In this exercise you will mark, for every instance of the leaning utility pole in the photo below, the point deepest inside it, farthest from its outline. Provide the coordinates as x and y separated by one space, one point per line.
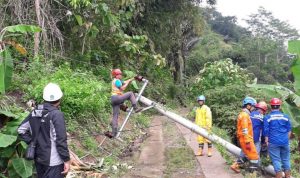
198 130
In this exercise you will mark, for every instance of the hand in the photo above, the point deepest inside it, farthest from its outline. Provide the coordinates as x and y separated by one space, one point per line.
248 146
66 167
267 141
129 80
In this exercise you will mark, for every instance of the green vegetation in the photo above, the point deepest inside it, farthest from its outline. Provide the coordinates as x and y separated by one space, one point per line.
178 155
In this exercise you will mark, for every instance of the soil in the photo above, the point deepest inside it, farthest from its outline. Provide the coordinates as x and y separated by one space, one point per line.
152 161
151 158
168 138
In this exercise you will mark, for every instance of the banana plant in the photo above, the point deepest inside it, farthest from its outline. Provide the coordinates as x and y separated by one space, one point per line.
12 163
6 60
291 99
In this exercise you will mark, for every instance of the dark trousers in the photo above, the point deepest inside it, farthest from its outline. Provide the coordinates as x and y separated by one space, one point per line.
44 171
116 100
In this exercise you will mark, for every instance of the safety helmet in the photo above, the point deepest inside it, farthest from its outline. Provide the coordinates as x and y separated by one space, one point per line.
201 98
262 105
275 102
52 92
116 72
249 100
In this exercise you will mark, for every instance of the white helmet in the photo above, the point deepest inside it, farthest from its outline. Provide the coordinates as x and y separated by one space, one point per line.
52 92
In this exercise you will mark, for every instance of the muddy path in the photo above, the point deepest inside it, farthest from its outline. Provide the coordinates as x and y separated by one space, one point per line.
165 154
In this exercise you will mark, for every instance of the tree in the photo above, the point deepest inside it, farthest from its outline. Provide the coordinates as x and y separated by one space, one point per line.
224 25
172 25
266 25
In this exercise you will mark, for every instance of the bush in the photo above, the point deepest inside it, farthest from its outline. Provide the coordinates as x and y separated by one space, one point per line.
226 103
84 95
219 73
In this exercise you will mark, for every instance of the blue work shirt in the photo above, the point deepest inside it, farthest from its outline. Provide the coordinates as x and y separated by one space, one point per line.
119 83
257 124
276 127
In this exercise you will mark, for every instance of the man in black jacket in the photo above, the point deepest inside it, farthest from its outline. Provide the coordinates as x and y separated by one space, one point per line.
47 125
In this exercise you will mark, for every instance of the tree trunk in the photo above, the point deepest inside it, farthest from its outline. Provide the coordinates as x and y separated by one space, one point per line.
37 34
179 66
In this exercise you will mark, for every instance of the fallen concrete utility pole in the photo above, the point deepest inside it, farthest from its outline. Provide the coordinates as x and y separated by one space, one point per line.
198 130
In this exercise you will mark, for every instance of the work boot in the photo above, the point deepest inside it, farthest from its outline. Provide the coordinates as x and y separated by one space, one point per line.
235 167
123 107
278 175
287 174
200 152
209 152
114 132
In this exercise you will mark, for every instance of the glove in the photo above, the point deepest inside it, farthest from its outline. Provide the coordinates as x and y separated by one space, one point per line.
248 146
138 78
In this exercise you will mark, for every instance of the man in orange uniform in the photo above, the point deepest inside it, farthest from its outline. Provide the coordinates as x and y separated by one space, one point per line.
245 136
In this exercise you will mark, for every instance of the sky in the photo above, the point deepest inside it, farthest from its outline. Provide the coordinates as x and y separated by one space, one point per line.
285 10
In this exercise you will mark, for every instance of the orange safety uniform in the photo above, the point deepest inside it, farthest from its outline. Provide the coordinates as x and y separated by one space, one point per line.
245 134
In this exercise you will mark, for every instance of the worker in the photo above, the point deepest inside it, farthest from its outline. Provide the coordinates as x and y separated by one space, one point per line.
245 137
203 119
257 118
118 97
44 129
277 130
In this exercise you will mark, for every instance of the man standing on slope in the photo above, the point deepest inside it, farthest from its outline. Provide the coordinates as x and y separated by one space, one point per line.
257 118
277 130
204 120
245 136
45 127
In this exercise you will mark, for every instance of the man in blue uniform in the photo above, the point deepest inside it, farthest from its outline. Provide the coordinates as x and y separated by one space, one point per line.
257 117
277 130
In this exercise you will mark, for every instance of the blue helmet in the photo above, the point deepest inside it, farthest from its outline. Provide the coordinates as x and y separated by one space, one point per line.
249 100
201 98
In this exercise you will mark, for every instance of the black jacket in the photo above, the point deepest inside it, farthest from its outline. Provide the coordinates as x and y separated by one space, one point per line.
51 141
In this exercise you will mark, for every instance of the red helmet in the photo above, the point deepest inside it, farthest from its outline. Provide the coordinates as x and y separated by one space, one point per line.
262 105
116 72
275 101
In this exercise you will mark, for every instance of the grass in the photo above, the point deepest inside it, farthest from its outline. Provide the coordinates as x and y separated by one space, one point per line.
179 158
178 155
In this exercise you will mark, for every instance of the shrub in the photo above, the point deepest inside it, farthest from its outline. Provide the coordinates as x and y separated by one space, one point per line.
84 95
219 73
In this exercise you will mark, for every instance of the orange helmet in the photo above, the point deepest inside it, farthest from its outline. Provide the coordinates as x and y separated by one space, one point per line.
116 72
275 102
262 105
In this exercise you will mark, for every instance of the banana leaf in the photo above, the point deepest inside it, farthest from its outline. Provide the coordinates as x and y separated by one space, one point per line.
294 48
6 70
292 109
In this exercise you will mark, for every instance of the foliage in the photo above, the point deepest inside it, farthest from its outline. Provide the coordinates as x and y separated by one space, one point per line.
265 24
19 29
226 103
294 47
224 25
84 95
210 48
6 70
11 149
6 60
219 73
290 104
